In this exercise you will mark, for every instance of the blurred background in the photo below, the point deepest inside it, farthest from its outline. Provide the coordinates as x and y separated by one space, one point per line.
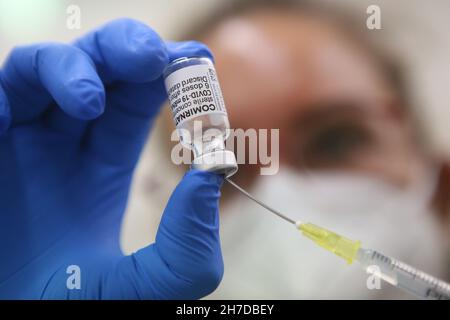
363 118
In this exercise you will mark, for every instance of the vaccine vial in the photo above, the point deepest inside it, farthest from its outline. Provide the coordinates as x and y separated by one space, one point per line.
199 114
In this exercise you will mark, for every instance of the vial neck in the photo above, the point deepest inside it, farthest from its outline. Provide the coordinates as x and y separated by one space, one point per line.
202 147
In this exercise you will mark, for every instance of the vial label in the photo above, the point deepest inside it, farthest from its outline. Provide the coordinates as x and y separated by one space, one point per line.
194 91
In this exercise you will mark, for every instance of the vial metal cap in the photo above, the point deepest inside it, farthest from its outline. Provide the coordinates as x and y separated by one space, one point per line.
218 161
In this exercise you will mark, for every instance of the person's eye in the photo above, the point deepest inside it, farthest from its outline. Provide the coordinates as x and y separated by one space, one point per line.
335 144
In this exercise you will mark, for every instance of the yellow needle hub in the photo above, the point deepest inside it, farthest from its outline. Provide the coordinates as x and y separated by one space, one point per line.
339 245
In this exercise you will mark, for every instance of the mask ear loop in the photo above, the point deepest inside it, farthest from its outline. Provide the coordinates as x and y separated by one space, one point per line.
433 174
425 189
440 201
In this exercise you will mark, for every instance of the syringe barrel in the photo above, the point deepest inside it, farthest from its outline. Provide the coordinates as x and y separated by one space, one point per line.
404 276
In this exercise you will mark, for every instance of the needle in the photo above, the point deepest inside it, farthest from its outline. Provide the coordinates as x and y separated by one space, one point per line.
282 216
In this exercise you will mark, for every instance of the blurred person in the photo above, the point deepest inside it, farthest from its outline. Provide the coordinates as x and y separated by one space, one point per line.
350 150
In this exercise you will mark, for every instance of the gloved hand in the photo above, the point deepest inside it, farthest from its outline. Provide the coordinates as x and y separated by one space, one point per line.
73 120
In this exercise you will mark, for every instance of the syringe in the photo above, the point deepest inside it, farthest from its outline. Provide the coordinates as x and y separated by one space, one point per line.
395 272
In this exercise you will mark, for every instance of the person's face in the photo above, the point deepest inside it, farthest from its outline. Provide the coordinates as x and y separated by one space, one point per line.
334 109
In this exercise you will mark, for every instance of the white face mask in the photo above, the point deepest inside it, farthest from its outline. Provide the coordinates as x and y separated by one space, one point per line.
265 257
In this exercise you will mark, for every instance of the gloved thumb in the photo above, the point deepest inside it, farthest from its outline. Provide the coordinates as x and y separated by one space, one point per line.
185 262
188 236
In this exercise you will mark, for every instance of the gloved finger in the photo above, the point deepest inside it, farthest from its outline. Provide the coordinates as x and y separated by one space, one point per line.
185 262
118 136
135 91
125 50
59 121
5 115
35 75
187 49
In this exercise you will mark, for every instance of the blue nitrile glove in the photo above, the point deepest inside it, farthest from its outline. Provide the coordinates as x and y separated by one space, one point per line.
74 119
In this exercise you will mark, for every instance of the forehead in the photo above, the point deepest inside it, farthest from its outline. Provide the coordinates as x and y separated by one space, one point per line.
290 60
